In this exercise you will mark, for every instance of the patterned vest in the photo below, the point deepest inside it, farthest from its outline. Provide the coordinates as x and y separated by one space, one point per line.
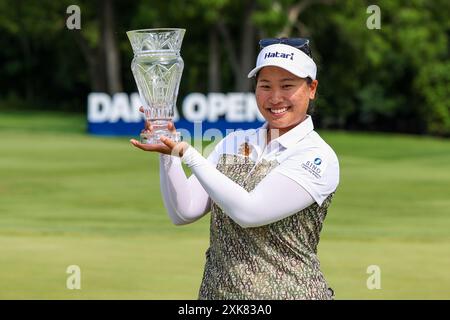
274 261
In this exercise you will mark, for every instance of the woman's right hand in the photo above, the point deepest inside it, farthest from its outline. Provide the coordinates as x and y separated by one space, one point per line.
167 147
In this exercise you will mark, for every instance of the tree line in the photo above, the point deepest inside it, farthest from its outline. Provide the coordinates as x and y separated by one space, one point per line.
395 78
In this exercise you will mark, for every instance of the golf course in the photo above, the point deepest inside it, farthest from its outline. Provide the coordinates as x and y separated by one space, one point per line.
68 198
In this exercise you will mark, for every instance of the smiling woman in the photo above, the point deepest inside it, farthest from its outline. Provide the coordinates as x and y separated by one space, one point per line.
283 98
268 190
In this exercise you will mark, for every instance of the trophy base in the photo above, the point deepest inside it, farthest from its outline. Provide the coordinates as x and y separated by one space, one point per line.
153 138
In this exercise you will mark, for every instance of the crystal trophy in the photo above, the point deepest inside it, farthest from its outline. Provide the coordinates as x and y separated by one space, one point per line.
157 67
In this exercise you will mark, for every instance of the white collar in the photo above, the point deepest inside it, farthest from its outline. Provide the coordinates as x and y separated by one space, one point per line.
291 137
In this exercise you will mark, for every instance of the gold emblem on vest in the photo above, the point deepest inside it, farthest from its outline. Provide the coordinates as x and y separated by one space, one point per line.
245 149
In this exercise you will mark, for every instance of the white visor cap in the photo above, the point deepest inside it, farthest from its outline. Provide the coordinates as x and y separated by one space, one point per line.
287 57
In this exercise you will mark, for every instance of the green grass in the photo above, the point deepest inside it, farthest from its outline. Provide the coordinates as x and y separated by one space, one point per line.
67 198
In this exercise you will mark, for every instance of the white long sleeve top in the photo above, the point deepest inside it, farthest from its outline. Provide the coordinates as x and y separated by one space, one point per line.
308 171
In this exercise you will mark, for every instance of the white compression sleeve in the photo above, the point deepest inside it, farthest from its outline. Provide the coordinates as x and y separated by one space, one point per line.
274 198
185 199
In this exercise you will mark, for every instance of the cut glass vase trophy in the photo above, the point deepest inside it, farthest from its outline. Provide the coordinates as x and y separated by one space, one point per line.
157 67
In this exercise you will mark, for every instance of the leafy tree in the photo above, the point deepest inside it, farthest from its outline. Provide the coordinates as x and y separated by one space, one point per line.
395 78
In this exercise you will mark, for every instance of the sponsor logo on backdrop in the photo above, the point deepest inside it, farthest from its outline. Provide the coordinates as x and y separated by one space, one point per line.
119 114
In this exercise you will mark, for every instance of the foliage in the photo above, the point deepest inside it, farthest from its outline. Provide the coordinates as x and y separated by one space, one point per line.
392 79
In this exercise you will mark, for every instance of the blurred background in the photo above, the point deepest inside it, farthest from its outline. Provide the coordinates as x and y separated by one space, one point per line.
69 198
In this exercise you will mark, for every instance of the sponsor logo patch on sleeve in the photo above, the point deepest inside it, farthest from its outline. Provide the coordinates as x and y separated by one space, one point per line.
315 167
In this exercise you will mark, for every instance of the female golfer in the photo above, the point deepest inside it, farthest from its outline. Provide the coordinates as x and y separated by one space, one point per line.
268 190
